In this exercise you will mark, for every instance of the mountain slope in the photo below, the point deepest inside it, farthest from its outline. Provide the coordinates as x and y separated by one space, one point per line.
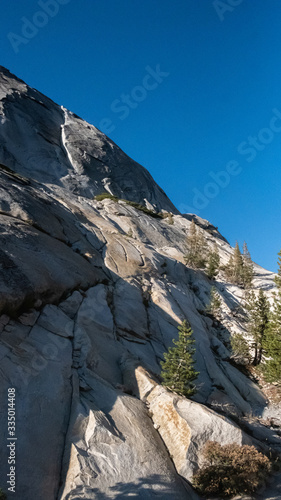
90 297
44 141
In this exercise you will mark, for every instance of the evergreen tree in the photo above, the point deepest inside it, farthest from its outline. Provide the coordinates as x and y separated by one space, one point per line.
238 266
228 269
214 307
278 277
272 367
213 263
178 371
240 347
258 322
234 269
248 270
196 256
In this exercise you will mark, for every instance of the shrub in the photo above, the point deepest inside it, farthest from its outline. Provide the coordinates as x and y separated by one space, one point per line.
3 495
143 209
103 196
138 206
231 470
169 217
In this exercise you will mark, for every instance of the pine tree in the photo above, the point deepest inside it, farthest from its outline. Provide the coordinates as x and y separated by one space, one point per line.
228 269
248 269
213 263
238 266
272 366
178 371
240 347
278 277
258 322
214 306
196 256
234 269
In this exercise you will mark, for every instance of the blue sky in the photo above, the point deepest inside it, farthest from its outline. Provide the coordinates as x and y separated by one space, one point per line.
214 106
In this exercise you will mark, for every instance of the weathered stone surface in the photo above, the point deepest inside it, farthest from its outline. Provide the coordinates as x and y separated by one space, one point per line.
43 144
29 318
39 368
94 313
184 425
71 305
130 314
99 289
115 451
55 321
37 266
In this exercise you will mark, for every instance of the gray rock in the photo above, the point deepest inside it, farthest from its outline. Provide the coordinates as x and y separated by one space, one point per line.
54 320
92 165
82 365
71 305
114 450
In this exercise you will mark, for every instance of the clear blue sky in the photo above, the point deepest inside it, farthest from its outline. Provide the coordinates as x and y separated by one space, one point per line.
221 83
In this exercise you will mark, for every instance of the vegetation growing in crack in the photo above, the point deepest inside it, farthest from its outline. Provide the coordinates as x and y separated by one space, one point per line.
104 196
143 209
138 206
168 216
129 234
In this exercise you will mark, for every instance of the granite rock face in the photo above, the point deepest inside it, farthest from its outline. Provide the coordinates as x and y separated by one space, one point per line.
91 294
43 140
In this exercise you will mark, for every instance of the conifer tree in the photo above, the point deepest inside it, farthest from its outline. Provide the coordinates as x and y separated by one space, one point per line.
258 322
238 266
248 270
214 307
278 277
178 371
228 269
234 269
240 347
213 263
272 367
196 256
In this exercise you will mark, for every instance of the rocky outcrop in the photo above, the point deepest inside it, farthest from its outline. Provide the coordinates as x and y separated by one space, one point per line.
43 140
184 425
91 294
